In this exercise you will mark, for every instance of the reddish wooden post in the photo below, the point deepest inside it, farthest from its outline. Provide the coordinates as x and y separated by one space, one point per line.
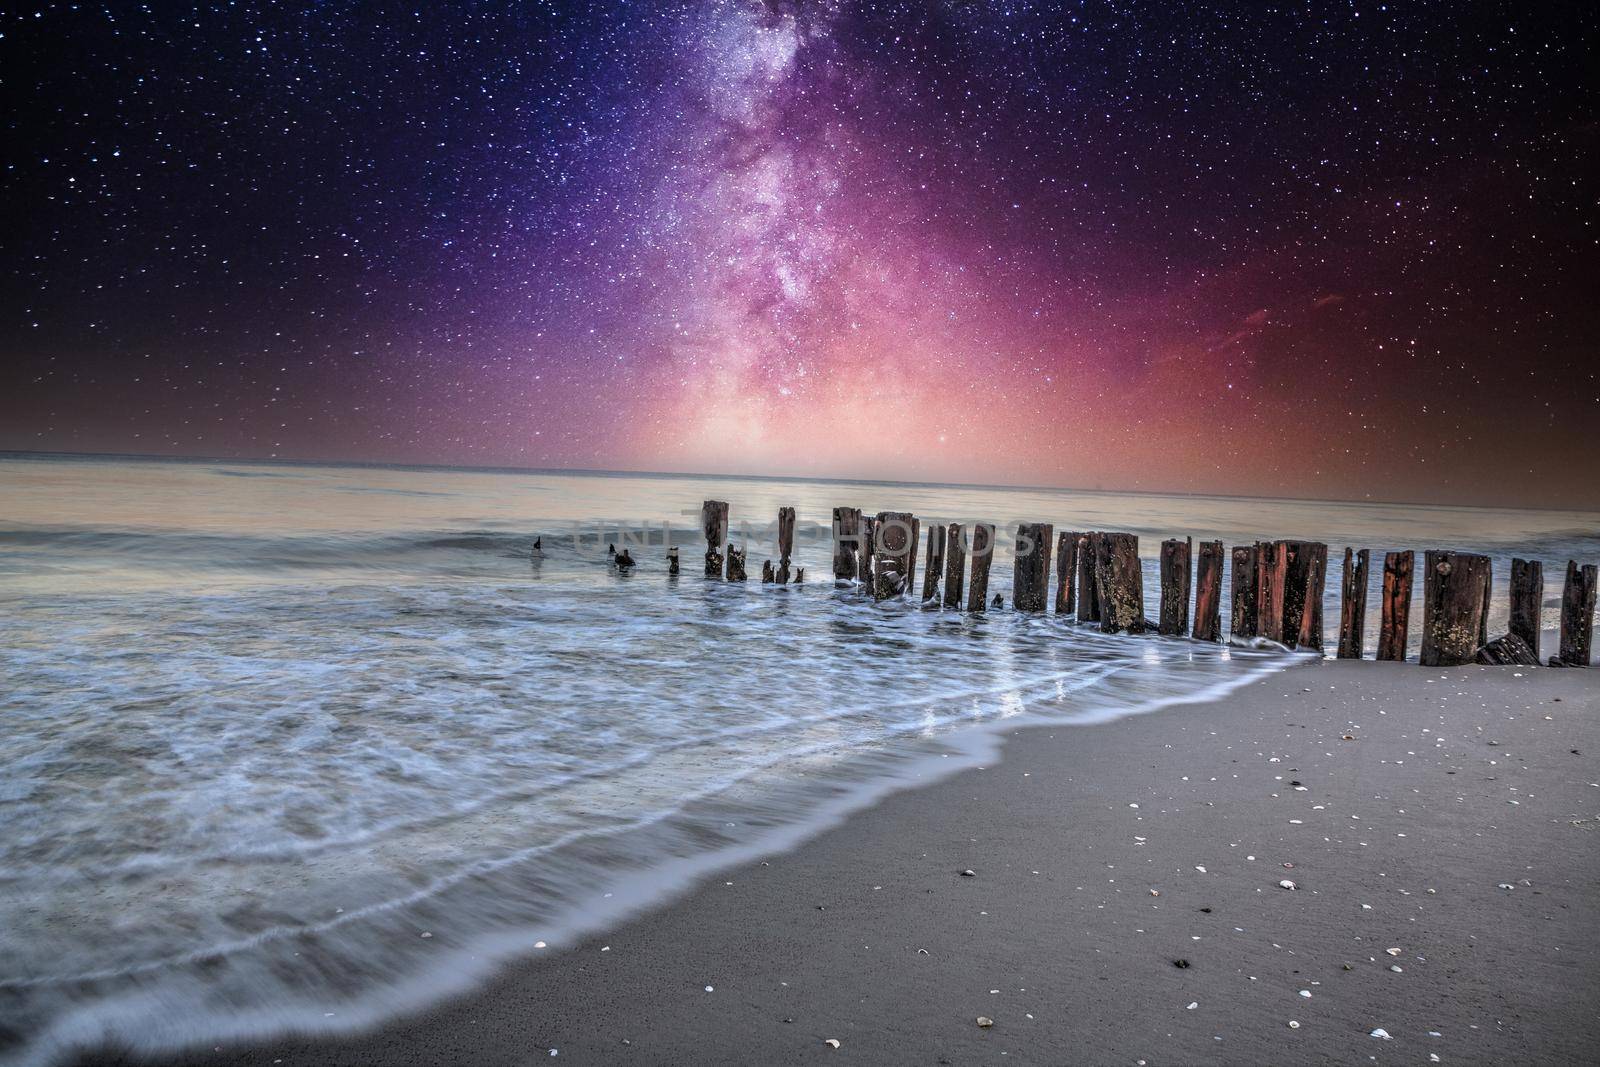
1271 578
934 568
895 551
1306 576
1394 622
1066 572
1120 582
1245 564
846 542
1577 616
982 556
1088 587
1208 592
955 566
714 522
1527 602
1353 604
1455 607
785 543
1031 567
1175 570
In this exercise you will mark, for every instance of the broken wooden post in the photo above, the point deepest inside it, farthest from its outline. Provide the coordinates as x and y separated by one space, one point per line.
1245 562
982 556
1208 592
1455 607
785 543
1353 604
1577 616
865 551
672 561
1507 651
735 563
1119 582
846 542
1394 622
911 556
1527 602
1271 571
1030 573
1066 571
714 522
895 552
1088 589
955 566
934 568
768 575
1176 566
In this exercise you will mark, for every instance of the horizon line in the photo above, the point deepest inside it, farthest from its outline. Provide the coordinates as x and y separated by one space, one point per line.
157 457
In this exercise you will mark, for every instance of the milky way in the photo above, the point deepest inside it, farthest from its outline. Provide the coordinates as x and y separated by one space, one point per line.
1340 250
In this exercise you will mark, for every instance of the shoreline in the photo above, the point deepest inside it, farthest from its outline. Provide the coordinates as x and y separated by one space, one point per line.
867 933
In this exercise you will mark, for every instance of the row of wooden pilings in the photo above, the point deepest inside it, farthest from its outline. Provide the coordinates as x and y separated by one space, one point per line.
1277 591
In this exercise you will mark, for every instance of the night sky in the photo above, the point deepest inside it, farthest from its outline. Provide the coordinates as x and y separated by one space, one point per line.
1309 249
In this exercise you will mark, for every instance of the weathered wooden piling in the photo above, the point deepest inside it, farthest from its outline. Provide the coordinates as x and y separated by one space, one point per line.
1527 602
1208 592
895 553
714 522
1353 603
785 543
982 557
1271 570
846 542
672 561
1455 607
769 576
1577 616
1088 588
1119 582
955 566
1066 571
736 563
911 556
1290 577
1176 568
1394 621
933 570
1245 563
866 550
1030 574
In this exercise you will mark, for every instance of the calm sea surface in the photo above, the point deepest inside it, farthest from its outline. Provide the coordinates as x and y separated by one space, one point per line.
306 746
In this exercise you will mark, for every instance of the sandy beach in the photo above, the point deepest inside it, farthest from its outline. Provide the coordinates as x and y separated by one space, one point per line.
1125 903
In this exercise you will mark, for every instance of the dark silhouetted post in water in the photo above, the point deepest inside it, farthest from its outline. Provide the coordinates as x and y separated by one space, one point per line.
1030 575
1271 578
865 551
846 542
1353 604
785 543
1245 563
982 556
1577 616
1527 602
1208 592
911 556
955 566
1305 576
1088 587
934 569
1455 607
1394 622
1066 571
672 561
736 563
895 549
1120 583
1176 565
714 521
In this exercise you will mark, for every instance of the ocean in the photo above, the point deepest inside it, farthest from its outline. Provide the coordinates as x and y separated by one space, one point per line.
304 746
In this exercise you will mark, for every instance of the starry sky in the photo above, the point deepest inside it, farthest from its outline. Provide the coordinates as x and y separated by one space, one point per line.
1341 250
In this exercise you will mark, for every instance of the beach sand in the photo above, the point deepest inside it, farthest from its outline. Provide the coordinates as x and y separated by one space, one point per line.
1424 795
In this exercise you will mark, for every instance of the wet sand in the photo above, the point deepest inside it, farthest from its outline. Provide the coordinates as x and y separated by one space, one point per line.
1452 815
